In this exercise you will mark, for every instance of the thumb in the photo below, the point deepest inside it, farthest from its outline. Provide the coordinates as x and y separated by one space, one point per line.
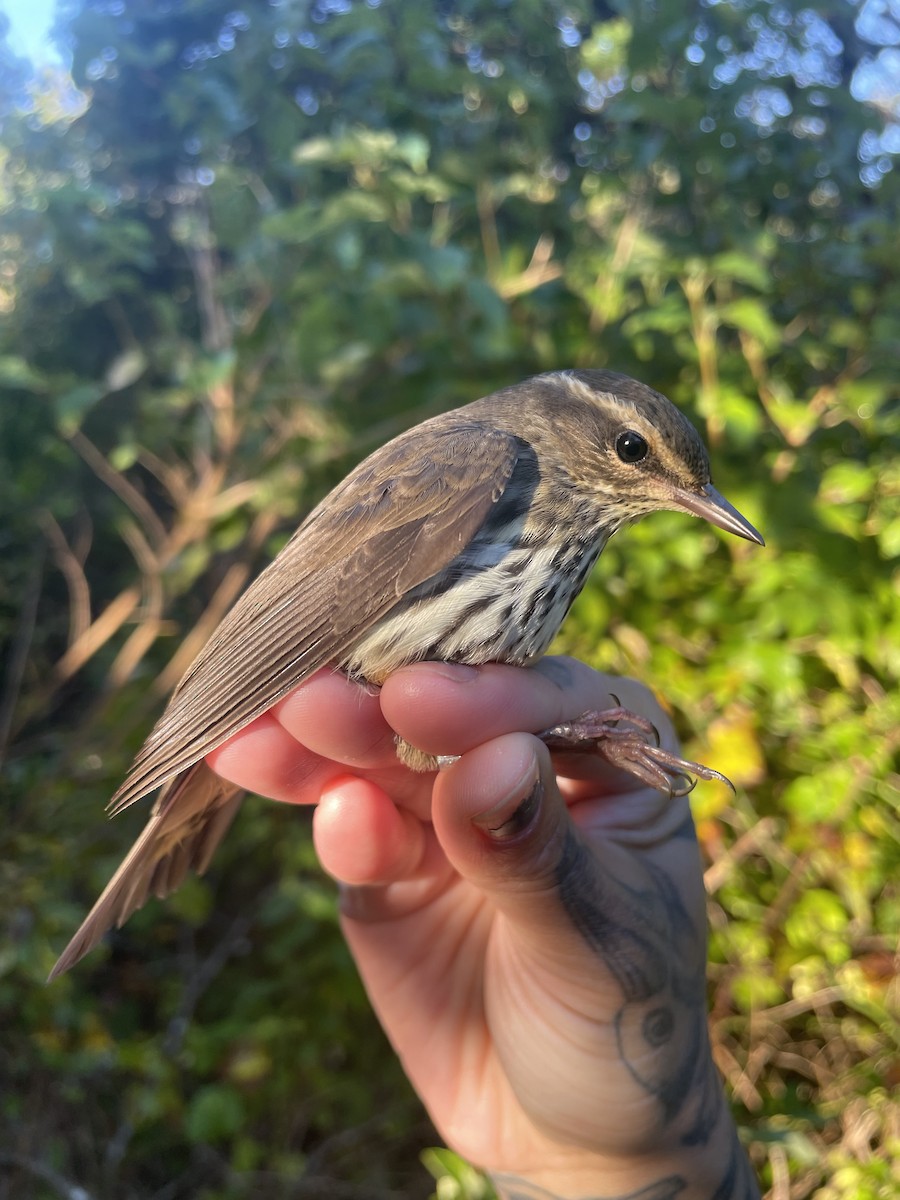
504 826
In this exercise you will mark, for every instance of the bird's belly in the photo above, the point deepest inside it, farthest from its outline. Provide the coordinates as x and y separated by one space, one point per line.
509 612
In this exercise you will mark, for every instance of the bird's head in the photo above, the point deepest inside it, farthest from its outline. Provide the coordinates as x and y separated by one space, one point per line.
636 452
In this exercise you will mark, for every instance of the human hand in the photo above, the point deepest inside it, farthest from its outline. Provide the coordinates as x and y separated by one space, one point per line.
531 934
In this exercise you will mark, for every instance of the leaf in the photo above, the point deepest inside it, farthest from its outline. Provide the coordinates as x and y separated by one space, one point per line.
817 924
72 406
456 1179
124 456
846 482
305 222
889 539
124 370
753 317
214 1114
820 796
16 372
744 268
731 745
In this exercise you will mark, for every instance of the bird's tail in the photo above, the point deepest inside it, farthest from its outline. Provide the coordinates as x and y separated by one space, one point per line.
190 817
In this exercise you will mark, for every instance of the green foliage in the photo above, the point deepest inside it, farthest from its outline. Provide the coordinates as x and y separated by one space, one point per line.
257 245
456 1179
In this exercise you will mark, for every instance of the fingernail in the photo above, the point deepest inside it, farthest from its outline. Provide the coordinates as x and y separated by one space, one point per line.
499 823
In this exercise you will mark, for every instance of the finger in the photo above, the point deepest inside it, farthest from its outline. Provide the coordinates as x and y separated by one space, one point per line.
339 720
449 709
264 758
298 748
361 837
583 908
504 827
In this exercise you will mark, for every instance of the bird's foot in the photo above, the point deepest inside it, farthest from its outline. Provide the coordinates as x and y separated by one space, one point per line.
417 760
631 744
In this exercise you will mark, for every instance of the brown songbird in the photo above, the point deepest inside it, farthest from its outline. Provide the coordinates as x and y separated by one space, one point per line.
465 539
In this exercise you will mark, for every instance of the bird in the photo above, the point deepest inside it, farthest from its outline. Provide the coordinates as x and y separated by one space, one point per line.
464 539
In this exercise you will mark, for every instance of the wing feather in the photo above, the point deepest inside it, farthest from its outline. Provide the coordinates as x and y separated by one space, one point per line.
394 522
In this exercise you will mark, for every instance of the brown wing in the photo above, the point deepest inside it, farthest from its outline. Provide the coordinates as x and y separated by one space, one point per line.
189 819
394 522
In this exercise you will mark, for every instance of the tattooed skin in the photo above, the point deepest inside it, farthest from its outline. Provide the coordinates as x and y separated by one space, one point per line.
511 1188
647 940
650 944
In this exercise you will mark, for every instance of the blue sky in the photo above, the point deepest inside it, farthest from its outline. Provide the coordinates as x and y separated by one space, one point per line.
30 20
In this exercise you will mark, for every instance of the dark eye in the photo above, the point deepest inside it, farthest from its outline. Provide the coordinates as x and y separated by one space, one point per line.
631 447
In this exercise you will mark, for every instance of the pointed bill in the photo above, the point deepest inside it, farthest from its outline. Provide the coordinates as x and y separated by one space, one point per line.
713 507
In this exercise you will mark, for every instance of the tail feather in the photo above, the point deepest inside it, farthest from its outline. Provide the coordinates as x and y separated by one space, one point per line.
189 819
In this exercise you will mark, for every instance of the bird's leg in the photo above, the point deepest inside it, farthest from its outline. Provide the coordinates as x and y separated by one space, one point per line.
416 759
626 740
630 743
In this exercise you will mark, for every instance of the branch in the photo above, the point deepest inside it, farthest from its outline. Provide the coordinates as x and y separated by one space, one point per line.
198 979
216 331
117 483
72 572
21 644
779 1013
97 634
173 478
69 1191
748 843
539 271
146 633
487 221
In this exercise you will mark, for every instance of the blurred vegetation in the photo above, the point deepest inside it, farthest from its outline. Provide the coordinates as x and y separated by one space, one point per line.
244 249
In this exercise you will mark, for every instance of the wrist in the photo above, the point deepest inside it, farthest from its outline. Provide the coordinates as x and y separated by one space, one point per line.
718 1167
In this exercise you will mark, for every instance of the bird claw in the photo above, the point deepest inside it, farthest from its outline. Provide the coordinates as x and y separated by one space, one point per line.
630 743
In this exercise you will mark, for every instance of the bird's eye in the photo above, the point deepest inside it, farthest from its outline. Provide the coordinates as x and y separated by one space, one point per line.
631 447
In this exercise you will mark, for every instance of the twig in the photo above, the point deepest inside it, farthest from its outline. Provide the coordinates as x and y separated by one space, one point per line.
66 1189
738 1080
117 483
147 631
174 478
781 1179
72 572
704 329
611 280
341 1143
116 1149
21 644
746 844
795 882
97 634
793 1008
487 223
539 271
198 980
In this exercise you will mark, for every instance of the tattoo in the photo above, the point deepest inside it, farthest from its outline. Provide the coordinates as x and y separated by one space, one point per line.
652 948
510 1187
647 940
738 1183
613 920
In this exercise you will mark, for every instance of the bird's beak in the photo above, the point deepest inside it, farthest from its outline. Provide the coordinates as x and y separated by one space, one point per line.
713 507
